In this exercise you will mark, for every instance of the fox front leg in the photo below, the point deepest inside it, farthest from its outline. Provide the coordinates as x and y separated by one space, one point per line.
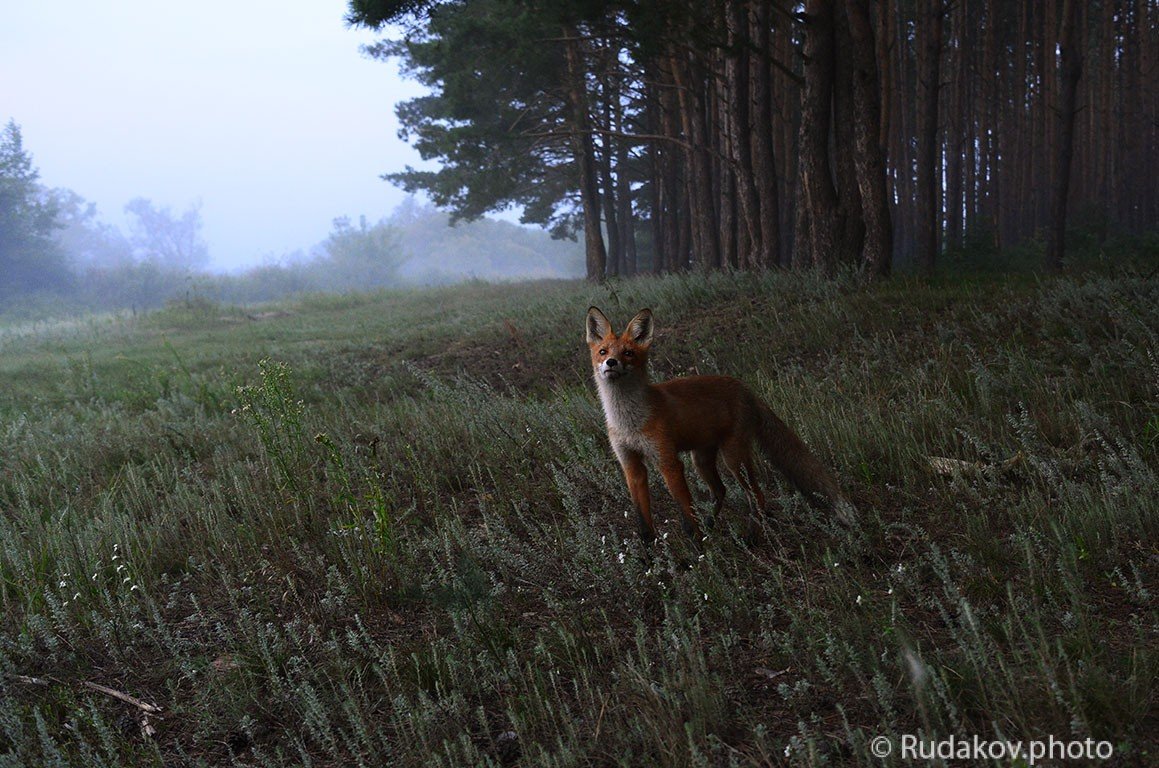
636 474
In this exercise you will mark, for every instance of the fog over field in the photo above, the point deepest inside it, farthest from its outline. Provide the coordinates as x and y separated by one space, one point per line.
267 113
150 155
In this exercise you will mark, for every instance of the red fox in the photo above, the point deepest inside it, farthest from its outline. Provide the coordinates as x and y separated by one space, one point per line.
707 415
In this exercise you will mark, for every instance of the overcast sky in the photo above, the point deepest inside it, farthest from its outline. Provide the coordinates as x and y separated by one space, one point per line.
266 111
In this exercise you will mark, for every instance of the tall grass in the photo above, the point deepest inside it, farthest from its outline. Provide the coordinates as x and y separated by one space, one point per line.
388 529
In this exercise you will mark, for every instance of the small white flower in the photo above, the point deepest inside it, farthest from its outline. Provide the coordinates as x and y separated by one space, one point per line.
859 599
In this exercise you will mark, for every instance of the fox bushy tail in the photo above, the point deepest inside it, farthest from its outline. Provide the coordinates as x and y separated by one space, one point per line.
789 454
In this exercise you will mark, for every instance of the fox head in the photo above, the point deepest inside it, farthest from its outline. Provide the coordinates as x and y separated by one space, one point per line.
618 356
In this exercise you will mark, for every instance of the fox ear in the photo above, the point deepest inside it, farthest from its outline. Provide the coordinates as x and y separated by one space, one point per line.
639 328
598 325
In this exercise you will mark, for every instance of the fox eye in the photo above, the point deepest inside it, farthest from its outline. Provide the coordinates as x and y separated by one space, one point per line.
629 353
603 352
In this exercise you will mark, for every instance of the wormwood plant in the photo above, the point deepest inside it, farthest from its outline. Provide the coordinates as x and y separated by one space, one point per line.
276 414
314 471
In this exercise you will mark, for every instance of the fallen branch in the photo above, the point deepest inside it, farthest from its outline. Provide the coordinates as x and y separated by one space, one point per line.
150 709
946 466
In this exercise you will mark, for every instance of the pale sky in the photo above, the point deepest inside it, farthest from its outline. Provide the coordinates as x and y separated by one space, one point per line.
266 111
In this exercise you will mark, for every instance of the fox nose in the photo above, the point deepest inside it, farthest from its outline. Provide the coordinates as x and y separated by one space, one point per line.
612 362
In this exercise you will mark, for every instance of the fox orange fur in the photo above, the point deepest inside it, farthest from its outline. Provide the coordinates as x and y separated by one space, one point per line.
707 415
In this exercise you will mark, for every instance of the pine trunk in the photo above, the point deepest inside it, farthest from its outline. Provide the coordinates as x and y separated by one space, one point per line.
929 72
818 224
867 151
1071 68
584 149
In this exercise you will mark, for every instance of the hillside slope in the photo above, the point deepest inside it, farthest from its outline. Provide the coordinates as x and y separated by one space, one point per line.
388 528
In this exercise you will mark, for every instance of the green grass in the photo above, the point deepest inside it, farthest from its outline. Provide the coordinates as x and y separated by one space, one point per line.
388 528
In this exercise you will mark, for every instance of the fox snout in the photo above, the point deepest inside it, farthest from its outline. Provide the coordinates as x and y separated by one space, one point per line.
611 368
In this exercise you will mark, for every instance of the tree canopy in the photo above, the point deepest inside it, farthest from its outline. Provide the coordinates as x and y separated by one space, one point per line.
29 216
172 240
759 133
497 125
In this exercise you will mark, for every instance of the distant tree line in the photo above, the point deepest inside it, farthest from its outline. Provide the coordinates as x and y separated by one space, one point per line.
57 256
756 133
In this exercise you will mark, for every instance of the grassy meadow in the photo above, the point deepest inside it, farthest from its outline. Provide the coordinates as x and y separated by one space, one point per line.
388 529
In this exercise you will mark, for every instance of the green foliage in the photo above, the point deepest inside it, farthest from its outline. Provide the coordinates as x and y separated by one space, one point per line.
388 529
29 261
362 256
437 252
169 240
88 243
277 417
496 123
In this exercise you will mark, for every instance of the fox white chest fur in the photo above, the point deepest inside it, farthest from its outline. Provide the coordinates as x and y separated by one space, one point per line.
626 411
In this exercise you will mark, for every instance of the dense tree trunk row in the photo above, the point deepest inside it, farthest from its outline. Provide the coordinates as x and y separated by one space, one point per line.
755 134
883 131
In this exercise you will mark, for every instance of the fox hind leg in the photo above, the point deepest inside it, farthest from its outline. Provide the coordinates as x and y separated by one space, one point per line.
704 459
738 458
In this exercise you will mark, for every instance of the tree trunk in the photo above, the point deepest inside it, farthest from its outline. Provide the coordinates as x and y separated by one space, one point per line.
850 220
749 240
956 130
1071 69
724 171
766 251
584 149
870 160
608 187
702 219
625 216
929 72
819 224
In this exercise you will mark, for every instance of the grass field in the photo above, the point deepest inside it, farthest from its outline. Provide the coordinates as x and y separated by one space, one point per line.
388 529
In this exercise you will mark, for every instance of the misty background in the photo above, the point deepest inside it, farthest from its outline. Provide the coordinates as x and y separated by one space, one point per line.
231 151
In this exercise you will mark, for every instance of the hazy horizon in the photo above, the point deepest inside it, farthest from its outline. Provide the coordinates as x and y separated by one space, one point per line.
267 113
